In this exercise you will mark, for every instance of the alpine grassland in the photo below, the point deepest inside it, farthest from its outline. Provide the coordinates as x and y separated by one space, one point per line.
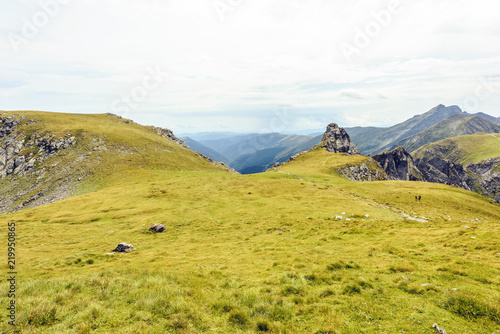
298 249
464 149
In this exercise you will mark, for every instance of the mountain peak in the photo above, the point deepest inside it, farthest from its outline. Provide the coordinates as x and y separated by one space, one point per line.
336 140
450 110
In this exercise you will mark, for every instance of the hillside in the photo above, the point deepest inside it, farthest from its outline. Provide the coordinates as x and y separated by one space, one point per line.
298 250
453 126
463 150
375 140
471 162
46 157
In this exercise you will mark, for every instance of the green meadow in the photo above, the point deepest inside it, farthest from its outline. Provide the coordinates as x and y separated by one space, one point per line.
464 150
294 250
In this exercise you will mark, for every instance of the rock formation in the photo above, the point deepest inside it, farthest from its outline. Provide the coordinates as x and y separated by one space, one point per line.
486 177
438 170
20 153
336 140
369 171
169 135
398 165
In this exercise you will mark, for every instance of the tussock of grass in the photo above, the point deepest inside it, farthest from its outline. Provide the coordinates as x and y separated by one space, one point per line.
342 265
470 308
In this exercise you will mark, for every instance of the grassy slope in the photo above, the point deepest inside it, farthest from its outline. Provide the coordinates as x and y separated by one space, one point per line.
464 149
259 251
105 146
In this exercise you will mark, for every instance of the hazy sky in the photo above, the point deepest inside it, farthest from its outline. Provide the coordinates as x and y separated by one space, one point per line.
250 65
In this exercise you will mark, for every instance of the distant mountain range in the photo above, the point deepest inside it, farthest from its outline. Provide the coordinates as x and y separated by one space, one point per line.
251 153
455 125
254 153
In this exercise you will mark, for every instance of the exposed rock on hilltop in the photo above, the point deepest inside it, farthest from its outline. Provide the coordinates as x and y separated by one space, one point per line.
169 135
336 140
366 171
398 165
20 153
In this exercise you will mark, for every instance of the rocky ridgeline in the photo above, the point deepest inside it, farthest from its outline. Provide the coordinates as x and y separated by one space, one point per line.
336 140
20 153
166 133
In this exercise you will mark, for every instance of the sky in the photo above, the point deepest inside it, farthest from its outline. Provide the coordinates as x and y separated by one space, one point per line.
250 65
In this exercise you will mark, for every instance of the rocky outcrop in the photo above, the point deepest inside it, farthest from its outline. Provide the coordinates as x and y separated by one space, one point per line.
169 135
398 165
486 178
366 171
20 152
336 140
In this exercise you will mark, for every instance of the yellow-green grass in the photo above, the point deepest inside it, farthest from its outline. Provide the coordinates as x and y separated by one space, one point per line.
245 254
465 150
106 149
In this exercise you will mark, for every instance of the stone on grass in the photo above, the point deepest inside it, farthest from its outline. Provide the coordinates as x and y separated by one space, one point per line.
157 228
123 247
438 329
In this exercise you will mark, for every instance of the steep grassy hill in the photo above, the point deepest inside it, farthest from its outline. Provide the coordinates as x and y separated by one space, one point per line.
295 250
464 150
453 126
49 156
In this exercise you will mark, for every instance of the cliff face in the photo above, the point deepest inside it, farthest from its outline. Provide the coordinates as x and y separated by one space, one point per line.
486 178
482 178
398 165
443 171
336 140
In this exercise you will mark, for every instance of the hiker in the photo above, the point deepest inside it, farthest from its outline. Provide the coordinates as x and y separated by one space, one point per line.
416 198
419 197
